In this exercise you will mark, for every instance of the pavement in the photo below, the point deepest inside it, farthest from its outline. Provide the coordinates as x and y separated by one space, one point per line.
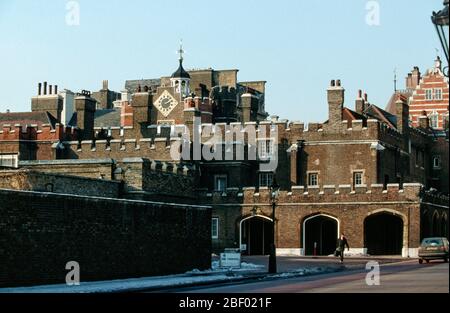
403 277
253 269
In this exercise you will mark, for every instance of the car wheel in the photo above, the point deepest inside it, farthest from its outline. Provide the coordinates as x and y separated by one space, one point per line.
420 261
428 261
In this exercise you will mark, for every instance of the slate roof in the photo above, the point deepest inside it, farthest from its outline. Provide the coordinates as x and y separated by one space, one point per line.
107 118
28 118
102 119
382 115
391 108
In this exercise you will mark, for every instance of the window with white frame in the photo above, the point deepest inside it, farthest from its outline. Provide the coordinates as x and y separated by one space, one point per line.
9 160
313 179
265 179
434 120
215 228
438 94
265 148
445 120
220 183
429 94
436 162
358 179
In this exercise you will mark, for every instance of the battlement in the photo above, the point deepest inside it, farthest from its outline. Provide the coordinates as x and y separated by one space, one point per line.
36 133
224 92
330 193
202 104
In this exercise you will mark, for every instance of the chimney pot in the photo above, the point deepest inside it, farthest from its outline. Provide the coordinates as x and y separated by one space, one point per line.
56 89
360 94
50 89
333 83
39 89
366 97
45 88
338 83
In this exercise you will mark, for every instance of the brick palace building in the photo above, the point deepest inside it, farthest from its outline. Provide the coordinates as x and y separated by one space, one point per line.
365 171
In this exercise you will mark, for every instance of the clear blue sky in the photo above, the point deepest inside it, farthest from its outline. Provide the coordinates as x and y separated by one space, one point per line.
298 46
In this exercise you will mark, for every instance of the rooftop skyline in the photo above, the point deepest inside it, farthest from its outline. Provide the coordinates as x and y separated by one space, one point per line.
296 46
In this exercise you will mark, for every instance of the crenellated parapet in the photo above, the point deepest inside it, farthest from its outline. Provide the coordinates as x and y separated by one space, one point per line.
38 133
325 194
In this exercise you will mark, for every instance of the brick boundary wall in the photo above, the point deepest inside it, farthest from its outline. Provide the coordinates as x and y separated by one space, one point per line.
110 238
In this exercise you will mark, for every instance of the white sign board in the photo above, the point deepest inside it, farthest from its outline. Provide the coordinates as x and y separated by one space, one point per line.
230 260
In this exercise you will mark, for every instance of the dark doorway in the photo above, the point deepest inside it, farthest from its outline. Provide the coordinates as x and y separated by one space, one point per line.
383 234
425 226
257 235
436 230
321 231
444 226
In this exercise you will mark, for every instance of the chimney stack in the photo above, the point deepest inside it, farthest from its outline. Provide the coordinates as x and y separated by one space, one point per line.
52 103
424 121
105 85
360 103
402 114
413 78
85 107
336 94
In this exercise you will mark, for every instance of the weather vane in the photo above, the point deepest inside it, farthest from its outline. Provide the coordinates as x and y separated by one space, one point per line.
181 51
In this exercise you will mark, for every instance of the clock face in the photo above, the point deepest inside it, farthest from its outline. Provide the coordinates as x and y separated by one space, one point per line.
166 103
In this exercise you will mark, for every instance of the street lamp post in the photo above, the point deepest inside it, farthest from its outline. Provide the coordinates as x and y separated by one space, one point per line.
274 190
441 22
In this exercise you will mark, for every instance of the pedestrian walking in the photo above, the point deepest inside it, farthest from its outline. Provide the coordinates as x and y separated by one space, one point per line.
341 244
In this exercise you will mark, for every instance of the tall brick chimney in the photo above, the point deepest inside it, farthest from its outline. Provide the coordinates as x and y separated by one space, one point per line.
336 95
141 103
413 78
247 102
360 103
47 101
402 108
126 114
85 107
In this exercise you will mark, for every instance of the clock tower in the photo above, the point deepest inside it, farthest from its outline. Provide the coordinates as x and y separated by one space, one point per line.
181 79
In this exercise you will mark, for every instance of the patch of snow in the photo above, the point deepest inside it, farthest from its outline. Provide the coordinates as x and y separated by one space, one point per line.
121 285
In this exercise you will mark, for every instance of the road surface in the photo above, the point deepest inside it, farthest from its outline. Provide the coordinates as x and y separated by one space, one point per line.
404 277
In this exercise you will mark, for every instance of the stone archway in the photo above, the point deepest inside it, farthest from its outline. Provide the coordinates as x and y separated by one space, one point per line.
256 235
384 233
320 234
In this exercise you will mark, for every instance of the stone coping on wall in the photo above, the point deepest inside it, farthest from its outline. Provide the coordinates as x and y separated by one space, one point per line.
66 161
69 196
393 192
